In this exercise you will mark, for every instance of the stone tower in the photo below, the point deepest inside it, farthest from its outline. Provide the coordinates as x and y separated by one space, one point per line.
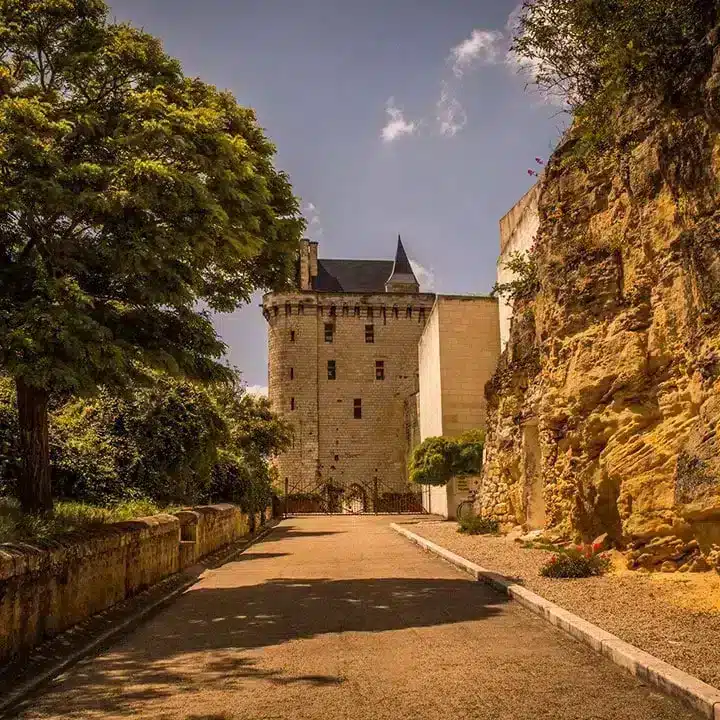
343 360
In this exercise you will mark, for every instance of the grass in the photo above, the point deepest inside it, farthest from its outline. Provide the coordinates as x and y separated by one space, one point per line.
66 517
474 525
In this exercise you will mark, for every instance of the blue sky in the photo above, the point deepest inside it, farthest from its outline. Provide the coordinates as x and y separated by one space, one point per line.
390 116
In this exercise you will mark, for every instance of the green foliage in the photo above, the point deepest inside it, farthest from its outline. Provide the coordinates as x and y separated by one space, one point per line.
9 443
437 459
577 562
468 453
475 525
66 517
525 283
130 196
594 54
160 442
173 441
431 462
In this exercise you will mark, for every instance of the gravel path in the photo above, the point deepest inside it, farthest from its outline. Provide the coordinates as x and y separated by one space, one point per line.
675 617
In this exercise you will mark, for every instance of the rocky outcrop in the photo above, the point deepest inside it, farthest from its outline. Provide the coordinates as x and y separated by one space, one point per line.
604 414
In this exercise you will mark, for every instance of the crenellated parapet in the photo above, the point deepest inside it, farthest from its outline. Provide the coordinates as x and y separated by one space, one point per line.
381 307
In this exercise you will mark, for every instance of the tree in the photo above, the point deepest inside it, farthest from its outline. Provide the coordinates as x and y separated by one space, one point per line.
595 54
128 194
255 434
437 459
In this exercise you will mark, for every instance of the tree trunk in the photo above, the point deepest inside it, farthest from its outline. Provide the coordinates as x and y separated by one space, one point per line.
34 491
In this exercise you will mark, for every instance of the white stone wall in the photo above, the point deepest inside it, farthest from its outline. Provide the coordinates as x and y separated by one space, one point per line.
517 234
457 354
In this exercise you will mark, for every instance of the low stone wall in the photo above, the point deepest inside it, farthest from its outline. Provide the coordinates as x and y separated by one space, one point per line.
45 590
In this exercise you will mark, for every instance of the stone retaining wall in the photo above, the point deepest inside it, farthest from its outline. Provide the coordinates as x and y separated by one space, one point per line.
45 590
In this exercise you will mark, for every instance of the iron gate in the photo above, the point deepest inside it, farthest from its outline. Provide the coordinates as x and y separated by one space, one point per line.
356 499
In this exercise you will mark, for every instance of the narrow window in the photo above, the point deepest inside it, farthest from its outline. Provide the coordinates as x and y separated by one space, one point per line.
357 409
331 369
346 310
292 336
292 373
288 309
408 313
329 330
301 309
357 311
292 403
370 313
422 314
275 310
396 312
379 369
369 333
333 311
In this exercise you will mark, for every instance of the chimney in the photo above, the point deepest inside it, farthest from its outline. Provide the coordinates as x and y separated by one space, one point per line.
304 265
313 260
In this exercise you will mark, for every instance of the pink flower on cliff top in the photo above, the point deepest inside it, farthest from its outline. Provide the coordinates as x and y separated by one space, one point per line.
539 161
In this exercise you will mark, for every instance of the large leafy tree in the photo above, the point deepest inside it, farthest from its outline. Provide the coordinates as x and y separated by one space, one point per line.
129 194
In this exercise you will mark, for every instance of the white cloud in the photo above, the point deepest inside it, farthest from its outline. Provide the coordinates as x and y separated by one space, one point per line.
314 226
450 114
396 125
425 277
260 390
484 46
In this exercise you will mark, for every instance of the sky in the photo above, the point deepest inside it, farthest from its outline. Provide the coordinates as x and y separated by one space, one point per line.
390 116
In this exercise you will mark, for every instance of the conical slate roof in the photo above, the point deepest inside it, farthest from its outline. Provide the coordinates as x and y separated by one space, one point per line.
402 272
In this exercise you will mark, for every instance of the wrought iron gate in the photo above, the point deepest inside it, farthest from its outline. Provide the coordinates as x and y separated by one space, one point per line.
372 497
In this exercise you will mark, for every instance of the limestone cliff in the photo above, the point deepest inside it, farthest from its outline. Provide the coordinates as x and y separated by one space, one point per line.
604 412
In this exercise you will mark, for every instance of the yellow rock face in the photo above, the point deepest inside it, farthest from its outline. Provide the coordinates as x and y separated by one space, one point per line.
606 403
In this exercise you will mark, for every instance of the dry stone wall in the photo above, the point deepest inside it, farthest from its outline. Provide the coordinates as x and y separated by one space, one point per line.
44 591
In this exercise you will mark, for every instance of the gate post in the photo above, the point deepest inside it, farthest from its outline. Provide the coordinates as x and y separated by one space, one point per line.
375 495
286 496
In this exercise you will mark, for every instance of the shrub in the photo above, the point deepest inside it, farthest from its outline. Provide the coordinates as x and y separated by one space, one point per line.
525 283
170 441
468 453
577 562
437 459
592 55
431 463
475 525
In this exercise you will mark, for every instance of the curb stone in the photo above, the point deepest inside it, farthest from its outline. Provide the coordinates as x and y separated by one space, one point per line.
672 681
47 674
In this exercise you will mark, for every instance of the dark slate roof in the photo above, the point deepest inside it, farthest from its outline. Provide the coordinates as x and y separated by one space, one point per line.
401 266
352 275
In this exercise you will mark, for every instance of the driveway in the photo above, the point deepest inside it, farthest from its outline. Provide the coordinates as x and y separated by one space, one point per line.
340 617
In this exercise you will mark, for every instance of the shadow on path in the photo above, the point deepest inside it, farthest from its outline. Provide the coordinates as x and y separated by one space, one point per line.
201 643
290 532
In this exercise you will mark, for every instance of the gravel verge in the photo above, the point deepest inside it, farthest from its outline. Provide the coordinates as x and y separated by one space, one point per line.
675 617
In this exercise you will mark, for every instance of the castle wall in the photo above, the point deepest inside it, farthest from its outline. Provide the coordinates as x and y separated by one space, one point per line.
458 353
517 234
469 352
331 446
